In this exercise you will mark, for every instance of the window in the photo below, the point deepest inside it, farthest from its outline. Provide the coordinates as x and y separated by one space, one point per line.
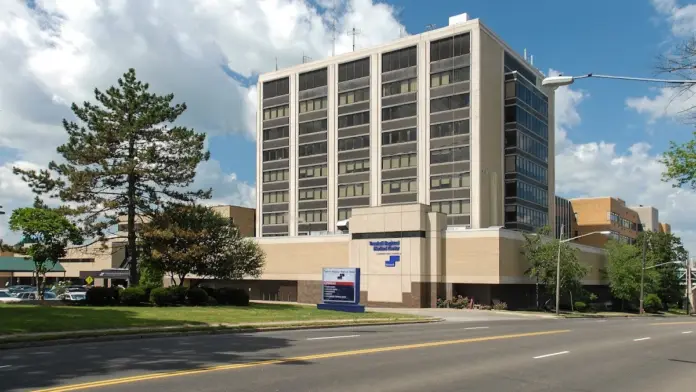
531 146
276 112
450 181
512 64
312 194
354 70
76 260
527 192
351 120
276 133
460 127
449 77
354 143
401 111
309 80
532 97
276 197
529 121
400 87
312 127
452 207
449 47
354 166
527 168
344 213
312 216
526 215
276 175
399 161
449 103
312 171
353 96
276 88
400 186
447 155
354 190
306 150
277 218
276 154
510 89
400 136
311 105
399 59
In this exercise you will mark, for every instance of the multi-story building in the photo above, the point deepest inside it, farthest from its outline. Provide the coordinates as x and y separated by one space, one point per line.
605 214
566 222
451 118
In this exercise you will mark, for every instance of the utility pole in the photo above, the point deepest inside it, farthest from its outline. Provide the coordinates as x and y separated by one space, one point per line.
689 291
558 272
354 32
642 273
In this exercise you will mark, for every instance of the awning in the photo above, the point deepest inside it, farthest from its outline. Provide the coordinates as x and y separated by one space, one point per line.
113 273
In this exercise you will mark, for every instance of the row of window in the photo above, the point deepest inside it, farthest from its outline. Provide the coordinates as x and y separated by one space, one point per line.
400 186
354 143
522 117
399 136
449 77
276 88
275 218
276 112
400 87
276 175
311 105
460 127
526 215
524 166
354 70
528 192
512 64
276 154
450 181
351 120
362 165
530 96
313 171
353 96
449 103
312 79
527 144
447 155
401 111
452 207
276 133
276 197
344 213
621 238
313 127
312 194
399 59
312 216
623 222
399 161
352 190
450 47
310 149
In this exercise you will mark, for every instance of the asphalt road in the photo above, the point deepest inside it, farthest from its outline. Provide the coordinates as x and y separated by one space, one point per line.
509 355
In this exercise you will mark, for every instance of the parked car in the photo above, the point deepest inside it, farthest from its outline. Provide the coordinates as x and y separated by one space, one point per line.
73 296
6 298
14 290
32 296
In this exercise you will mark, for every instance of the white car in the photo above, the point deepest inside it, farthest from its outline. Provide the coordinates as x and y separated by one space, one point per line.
73 296
6 298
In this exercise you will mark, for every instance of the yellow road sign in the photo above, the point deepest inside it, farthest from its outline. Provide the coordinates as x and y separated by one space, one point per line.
89 280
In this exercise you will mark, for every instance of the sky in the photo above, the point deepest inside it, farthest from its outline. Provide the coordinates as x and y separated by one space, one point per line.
610 134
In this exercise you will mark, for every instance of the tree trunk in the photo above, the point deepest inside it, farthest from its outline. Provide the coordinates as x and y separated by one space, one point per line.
132 244
537 291
572 305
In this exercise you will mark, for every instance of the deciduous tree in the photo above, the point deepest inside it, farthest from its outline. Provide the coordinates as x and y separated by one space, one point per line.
624 267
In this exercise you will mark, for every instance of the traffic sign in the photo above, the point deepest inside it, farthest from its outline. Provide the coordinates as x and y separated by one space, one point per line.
89 280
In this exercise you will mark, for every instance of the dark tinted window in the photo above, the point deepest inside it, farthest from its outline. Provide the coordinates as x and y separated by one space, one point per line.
354 119
312 149
400 136
449 47
454 154
511 64
402 111
274 155
449 129
312 127
399 59
354 70
354 143
449 103
312 79
276 88
276 133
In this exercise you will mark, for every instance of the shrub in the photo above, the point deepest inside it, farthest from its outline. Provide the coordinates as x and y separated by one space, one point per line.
197 296
232 296
580 306
162 296
101 296
500 306
485 307
652 303
212 301
457 302
133 296
178 294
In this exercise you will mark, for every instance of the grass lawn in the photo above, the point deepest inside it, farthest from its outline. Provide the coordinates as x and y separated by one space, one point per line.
16 319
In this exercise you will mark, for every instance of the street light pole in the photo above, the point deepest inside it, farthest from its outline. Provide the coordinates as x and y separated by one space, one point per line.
559 81
642 275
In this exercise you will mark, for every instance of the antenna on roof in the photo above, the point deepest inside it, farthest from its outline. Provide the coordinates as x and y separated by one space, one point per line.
525 54
402 32
429 27
531 59
276 62
305 58
354 33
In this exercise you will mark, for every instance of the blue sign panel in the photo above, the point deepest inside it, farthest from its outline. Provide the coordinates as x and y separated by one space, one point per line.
385 246
393 259
341 285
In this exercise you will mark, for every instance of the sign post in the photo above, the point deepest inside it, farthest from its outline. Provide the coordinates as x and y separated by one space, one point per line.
341 290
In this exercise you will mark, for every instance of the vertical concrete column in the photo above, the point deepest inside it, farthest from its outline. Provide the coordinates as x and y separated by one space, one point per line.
259 158
292 208
332 148
475 115
375 129
423 122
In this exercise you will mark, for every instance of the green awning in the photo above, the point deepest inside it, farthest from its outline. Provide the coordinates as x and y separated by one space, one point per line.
22 264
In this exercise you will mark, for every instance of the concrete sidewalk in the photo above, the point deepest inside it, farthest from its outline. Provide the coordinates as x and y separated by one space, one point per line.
465 315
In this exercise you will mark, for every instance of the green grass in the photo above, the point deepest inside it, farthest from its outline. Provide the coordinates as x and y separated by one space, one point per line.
16 319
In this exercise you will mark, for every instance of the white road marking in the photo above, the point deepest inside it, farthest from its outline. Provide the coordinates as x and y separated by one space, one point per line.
333 337
477 328
601 321
551 355
640 339
687 331
4 366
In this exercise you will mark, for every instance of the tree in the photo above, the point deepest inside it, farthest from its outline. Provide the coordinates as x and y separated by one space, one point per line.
624 268
194 239
664 248
122 158
539 257
49 233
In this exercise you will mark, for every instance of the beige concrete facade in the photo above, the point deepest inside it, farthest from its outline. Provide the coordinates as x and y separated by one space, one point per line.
243 217
605 214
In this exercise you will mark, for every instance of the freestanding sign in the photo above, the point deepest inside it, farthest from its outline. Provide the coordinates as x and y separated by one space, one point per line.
341 290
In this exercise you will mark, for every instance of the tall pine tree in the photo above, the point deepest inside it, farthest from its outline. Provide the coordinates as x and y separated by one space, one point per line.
124 157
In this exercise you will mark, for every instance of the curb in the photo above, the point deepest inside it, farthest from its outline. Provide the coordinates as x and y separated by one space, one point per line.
191 331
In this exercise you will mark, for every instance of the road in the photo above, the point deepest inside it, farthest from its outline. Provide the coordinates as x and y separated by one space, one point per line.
505 355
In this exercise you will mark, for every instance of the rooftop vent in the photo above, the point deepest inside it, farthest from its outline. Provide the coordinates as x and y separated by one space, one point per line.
457 19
